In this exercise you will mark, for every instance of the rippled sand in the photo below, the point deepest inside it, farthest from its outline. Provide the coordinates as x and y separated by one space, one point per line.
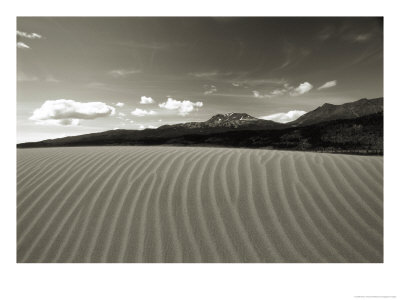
178 204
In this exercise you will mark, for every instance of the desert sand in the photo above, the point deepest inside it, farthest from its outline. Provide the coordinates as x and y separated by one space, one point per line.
182 204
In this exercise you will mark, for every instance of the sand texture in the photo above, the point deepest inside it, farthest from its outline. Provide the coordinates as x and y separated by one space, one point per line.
178 204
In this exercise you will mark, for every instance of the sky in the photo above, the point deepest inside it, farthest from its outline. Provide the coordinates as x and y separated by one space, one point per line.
89 74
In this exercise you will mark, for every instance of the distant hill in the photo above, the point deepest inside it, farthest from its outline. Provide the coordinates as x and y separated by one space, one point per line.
328 112
351 127
228 121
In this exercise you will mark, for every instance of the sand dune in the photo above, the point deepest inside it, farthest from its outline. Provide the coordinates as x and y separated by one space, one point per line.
171 204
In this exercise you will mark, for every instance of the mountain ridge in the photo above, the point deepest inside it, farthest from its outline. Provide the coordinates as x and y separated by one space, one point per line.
227 129
349 110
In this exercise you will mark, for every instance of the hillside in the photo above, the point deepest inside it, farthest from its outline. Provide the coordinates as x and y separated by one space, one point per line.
327 112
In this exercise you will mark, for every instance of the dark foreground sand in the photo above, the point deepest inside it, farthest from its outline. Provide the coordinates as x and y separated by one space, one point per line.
171 204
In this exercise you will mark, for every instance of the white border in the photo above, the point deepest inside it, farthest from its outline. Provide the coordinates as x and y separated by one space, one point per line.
203 281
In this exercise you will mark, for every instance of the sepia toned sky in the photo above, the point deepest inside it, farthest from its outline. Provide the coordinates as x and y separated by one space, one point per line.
82 75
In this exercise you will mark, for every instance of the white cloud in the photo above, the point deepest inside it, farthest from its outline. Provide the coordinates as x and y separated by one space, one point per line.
123 73
61 122
284 117
210 89
120 104
328 84
69 112
22 45
278 92
146 100
209 74
183 107
257 94
142 112
151 127
235 84
121 114
302 89
29 35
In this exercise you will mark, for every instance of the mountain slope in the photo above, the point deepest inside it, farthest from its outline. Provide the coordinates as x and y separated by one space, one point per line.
327 112
228 121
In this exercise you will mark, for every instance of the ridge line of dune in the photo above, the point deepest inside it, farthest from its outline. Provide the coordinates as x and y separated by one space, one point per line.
273 202
335 214
118 210
245 178
31 167
288 209
195 159
150 177
361 182
90 206
131 209
50 173
362 205
243 233
51 183
216 209
200 208
45 229
309 220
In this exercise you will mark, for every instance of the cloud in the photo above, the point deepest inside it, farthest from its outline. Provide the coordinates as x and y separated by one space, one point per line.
276 92
284 117
362 37
257 94
210 89
302 89
235 84
327 85
24 77
69 112
209 74
22 45
121 114
183 107
29 35
142 112
146 100
61 122
123 73
120 104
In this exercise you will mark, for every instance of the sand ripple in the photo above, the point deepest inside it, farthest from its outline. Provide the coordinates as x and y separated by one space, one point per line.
171 204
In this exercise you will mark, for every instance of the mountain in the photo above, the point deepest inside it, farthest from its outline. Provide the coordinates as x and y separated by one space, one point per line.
228 121
355 127
327 112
